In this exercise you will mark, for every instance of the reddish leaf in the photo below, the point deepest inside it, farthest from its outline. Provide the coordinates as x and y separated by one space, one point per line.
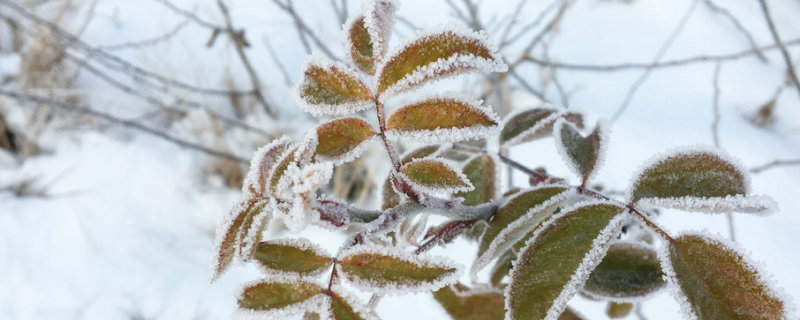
532 124
331 88
228 238
261 165
435 176
442 119
342 140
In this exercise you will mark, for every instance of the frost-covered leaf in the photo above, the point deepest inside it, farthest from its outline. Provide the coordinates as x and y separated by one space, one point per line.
358 44
629 271
618 310
346 307
388 270
264 159
570 314
501 269
434 54
252 230
229 231
298 257
516 218
392 198
333 212
481 171
434 175
700 179
444 118
461 303
379 20
531 124
278 298
712 280
278 181
342 140
331 88
584 155
559 257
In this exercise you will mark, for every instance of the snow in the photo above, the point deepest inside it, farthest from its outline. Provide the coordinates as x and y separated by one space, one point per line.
386 287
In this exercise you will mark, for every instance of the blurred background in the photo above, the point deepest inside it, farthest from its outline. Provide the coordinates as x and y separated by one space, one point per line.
126 128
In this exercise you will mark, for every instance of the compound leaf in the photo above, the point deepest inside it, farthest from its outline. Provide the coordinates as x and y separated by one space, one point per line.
584 155
446 118
629 270
434 175
331 88
461 303
275 299
703 180
432 55
554 264
298 257
382 269
532 124
717 282
342 140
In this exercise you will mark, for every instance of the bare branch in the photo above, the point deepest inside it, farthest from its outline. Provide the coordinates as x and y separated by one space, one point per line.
661 51
281 67
775 164
715 124
149 42
790 70
289 9
727 14
127 123
190 15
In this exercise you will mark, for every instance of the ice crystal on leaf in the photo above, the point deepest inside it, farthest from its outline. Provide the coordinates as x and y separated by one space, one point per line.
700 179
435 175
379 20
584 155
332 88
344 306
630 271
342 140
430 55
278 298
536 123
264 159
291 257
442 118
387 270
229 234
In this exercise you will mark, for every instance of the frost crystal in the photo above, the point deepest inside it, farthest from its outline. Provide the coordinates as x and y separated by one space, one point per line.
249 237
317 302
536 130
302 244
398 287
364 311
443 68
603 133
437 184
327 105
221 260
379 20
264 159
519 228
449 134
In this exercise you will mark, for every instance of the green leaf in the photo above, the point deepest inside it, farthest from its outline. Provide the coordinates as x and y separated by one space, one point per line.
703 180
228 239
344 307
559 257
461 304
629 270
264 160
584 155
516 218
252 229
616 310
482 173
718 282
501 268
279 171
271 298
381 269
446 118
390 197
434 175
331 88
359 45
342 140
533 124
435 55
570 314
294 256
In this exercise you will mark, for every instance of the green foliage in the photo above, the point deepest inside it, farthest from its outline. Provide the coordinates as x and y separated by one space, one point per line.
533 124
437 113
620 310
466 305
435 175
481 171
270 296
582 153
393 270
339 137
361 50
629 270
290 257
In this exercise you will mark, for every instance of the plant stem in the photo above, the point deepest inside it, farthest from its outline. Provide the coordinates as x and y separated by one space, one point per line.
382 126
642 217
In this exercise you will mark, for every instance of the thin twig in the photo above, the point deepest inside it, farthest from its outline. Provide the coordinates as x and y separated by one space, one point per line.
727 14
149 42
190 15
775 164
786 57
661 51
289 9
238 42
715 124
127 123
282 68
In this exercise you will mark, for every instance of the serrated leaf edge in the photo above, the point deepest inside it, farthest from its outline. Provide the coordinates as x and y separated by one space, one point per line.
352 154
300 243
599 246
398 289
673 284
500 244
329 109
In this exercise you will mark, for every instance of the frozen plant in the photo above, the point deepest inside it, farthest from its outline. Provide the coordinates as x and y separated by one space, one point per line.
548 242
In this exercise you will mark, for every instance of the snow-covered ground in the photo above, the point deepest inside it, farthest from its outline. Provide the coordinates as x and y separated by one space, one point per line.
128 231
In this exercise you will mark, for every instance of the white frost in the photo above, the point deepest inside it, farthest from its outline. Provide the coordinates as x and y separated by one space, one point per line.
536 130
249 238
362 309
225 223
379 20
318 109
352 154
396 288
455 65
590 260
437 190
603 132
754 266
517 230
264 159
302 244
317 302
443 135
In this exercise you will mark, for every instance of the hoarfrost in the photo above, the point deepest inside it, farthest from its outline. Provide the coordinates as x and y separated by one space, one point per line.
317 302
590 260
352 154
249 238
397 288
379 20
362 309
603 133
225 223
437 190
535 130
449 135
333 213
517 230
264 159
459 64
754 266
302 244
339 109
